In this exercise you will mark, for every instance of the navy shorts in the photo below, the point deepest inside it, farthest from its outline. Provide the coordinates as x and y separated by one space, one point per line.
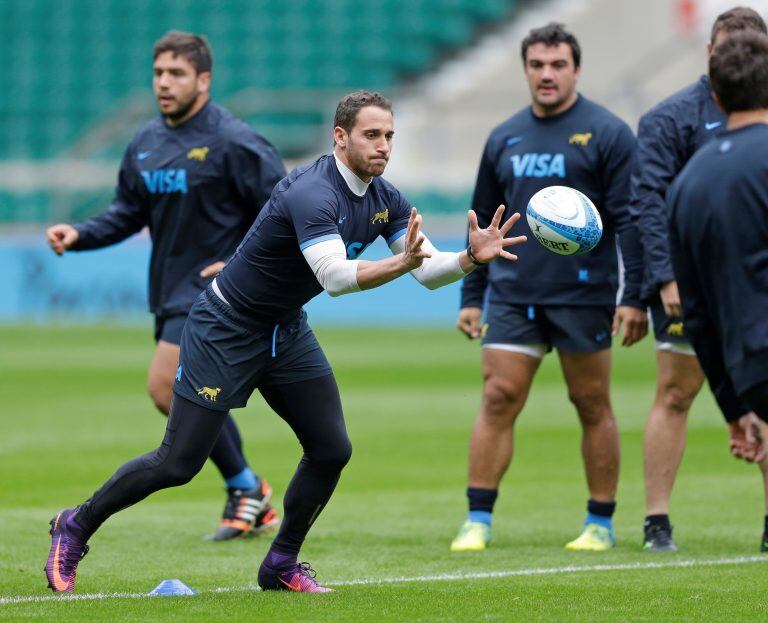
569 328
169 328
666 328
225 356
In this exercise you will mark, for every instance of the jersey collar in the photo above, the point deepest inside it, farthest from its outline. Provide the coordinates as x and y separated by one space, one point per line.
355 184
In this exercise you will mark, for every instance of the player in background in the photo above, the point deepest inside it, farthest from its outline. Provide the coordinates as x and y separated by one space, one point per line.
719 244
546 300
668 135
197 177
248 331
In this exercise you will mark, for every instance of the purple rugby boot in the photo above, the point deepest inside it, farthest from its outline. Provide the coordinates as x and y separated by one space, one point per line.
298 577
67 550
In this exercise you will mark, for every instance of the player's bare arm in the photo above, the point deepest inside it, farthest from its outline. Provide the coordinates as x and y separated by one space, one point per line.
468 322
486 244
747 438
377 273
670 298
61 237
634 322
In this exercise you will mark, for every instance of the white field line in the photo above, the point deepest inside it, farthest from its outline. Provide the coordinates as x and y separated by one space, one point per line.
442 577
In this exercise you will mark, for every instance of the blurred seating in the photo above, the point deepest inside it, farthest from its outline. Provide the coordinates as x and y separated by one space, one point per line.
73 66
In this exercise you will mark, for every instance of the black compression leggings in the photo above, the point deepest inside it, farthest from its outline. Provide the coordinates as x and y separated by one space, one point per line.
227 453
311 408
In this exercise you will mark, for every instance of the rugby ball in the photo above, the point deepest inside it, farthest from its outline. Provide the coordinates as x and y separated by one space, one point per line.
564 220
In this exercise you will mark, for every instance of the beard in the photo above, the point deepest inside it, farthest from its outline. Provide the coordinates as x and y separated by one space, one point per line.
183 108
363 167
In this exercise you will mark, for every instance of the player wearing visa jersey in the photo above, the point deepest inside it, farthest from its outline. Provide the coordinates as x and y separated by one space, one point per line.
547 300
197 177
668 136
248 331
719 242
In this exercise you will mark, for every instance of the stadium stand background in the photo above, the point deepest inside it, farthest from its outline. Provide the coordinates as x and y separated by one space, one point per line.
78 85
79 80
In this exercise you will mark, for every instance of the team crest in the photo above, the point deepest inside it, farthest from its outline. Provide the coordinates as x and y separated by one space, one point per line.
582 140
198 153
675 328
381 217
209 393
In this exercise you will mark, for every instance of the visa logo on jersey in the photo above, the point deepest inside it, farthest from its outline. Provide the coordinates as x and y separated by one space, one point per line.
165 180
538 165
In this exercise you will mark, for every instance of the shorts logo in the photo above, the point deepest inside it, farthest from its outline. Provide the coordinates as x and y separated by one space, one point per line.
580 139
209 393
198 153
484 329
675 328
381 217
178 373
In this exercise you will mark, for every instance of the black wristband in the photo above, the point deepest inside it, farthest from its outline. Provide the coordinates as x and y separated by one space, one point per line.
472 257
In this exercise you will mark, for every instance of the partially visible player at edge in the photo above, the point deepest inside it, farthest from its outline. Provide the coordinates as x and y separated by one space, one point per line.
197 177
668 135
548 300
719 241
248 331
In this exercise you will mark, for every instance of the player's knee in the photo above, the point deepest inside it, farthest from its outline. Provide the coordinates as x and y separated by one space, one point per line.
592 405
501 398
178 473
334 456
676 398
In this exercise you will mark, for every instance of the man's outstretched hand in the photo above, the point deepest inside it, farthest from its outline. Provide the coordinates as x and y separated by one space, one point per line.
488 244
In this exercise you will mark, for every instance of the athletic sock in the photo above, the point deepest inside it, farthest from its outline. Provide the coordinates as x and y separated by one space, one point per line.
661 521
245 480
765 528
277 559
600 513
75 527
481 503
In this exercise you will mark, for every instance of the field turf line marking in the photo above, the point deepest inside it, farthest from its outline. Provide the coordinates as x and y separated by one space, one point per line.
442 577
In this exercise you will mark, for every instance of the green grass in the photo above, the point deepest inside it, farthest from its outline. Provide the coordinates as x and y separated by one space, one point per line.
410 398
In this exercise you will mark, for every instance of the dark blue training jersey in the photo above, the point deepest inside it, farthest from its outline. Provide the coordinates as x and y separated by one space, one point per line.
667 136
268 277
719 242
199 188
585 147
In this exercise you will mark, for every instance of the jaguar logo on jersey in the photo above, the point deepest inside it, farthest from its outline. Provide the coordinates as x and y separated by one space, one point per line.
165 180
538 165
381 217
675 328
209 393
198 153
580 139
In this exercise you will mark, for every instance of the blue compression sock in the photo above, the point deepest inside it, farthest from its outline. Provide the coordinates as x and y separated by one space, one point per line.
480 517
244 480
600 520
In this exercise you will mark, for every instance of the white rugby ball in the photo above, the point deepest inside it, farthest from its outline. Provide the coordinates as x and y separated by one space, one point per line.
564 220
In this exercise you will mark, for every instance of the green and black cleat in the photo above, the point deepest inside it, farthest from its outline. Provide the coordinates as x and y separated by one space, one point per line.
658 539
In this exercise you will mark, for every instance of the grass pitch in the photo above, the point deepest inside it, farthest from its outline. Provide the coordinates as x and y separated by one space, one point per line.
74 407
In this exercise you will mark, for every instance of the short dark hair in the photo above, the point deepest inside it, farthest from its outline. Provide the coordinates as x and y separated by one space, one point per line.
350 105
738 71
737 19
553 34
192 47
